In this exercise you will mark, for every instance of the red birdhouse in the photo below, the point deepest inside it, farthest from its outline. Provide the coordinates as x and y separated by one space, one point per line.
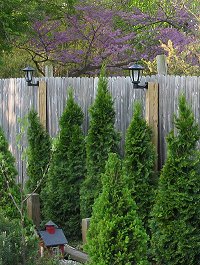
52 239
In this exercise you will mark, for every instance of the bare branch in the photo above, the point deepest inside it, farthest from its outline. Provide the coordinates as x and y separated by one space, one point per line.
39 183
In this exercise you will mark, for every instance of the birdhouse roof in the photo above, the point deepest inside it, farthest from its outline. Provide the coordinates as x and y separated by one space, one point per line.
50 223
58 238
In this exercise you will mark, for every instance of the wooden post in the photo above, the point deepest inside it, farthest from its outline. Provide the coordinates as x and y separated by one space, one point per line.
85 226
49 70
161 64
42 103
152 113
33 208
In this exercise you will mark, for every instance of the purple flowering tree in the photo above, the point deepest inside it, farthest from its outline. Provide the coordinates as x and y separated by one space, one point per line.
81 42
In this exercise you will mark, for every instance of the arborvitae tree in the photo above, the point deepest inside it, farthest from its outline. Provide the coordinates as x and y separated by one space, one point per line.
8 174
139 164
39 152
176 214
102 139
116 234
67 169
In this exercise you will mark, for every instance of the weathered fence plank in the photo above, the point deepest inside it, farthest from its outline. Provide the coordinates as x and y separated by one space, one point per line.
42 103
152 114
16 99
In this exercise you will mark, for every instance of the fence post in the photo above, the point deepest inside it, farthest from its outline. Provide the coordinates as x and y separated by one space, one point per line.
49 70
161 64
33 208
85 226
42 103
152 113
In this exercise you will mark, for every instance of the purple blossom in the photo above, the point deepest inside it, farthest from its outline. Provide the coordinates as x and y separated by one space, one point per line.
90 36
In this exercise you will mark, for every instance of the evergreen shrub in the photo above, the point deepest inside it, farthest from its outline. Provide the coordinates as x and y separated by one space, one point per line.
116 234
139 164
176 214
38 154
102 139
8 174
66 172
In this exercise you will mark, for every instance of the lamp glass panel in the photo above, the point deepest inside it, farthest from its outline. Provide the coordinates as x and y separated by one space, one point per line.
131 75
139 75
136 75
29 75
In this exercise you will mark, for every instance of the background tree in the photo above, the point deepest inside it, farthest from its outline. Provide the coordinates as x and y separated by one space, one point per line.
16 21
139 164
38 154
77 36
116 234
8 174
16 17
66 172
175 225
79 43
102 139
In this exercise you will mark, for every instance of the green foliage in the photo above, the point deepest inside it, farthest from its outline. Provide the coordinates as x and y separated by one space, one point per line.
38 153
177 62
8 175
102 139
12 62
176 214
46 260
116 235
139 164
12 250
67 169
16 17
10 239
11 247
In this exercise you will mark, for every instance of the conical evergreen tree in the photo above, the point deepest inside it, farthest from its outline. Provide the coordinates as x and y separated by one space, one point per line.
66 172
176 214
39 152
139 164
8 174
102 139
116 234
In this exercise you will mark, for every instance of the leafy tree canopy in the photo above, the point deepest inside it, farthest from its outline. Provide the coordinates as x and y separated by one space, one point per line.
81 42
16 17
78 36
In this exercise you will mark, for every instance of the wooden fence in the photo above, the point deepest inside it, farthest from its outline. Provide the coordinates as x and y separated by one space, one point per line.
16 99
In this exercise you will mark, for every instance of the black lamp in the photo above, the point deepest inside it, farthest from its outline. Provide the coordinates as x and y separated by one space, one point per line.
136 74
29 76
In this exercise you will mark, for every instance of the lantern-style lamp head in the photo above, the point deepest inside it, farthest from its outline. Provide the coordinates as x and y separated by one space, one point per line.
29 76
136 74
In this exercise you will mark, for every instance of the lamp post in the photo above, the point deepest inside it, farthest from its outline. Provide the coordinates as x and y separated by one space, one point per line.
29 76
135 75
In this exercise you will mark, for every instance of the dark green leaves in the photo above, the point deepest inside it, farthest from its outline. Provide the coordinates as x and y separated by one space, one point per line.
116 235
176 213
